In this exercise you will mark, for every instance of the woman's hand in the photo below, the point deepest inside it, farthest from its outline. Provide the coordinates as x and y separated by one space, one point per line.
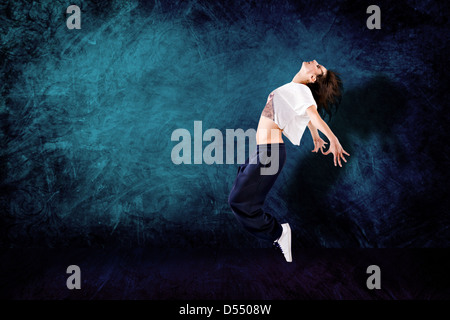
337 151
318 144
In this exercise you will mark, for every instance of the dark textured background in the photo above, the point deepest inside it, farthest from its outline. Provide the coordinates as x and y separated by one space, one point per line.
87 117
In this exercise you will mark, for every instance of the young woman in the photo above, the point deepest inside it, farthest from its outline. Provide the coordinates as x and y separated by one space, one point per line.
289 110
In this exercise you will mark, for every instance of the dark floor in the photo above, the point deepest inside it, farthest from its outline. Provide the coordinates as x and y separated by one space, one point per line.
262 274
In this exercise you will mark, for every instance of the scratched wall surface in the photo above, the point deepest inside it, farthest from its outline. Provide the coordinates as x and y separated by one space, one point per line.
87 117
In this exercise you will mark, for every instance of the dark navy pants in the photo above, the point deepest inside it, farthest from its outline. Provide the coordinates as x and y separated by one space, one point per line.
251 187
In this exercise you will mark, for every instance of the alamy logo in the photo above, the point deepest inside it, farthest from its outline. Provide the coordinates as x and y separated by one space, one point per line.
374 21
73 281
74 21
213 153
374 280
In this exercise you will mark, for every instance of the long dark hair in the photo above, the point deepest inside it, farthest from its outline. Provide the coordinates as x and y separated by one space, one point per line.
327 91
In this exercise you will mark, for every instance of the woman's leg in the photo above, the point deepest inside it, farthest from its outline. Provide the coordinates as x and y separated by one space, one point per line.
250 189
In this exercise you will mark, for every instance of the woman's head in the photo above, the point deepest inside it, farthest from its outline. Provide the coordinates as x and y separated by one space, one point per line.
326 85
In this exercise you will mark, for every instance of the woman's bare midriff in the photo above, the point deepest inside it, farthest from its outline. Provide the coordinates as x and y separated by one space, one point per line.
268 131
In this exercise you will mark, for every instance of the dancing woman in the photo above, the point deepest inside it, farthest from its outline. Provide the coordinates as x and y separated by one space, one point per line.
289 110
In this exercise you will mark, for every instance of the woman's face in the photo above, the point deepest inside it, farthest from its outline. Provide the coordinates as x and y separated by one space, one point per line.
313 69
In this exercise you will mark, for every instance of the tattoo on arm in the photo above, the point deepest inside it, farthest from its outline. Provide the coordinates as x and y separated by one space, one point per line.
268 109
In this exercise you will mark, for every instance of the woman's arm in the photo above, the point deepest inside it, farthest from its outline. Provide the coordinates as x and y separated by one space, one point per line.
318 123
317 140
335 146
313 130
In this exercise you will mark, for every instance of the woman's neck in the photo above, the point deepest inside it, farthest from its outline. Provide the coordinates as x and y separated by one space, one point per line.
299 78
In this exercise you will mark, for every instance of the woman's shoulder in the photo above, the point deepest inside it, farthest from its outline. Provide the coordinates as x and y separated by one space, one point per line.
294 87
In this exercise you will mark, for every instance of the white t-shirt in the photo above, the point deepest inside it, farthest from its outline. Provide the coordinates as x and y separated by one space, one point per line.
289 103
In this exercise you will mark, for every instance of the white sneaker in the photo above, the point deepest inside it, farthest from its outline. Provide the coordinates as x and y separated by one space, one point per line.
284 242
